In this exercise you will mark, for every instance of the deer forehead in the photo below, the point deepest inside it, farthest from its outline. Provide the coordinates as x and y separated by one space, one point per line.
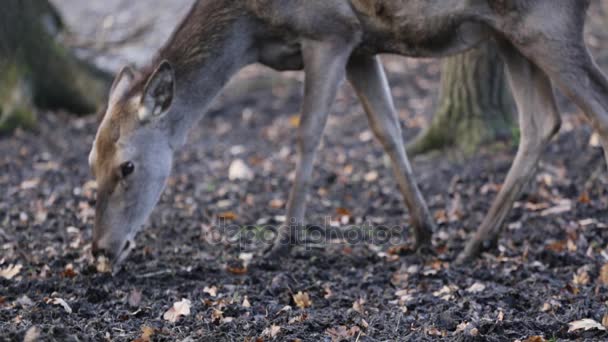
120 121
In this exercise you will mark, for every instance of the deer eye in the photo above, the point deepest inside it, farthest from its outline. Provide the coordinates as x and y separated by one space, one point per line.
126 169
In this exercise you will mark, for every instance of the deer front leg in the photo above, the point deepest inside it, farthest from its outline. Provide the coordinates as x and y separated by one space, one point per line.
324 66
539 121
367 76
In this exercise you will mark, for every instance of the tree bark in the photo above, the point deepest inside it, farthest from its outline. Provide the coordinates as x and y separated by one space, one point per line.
475 107
35 70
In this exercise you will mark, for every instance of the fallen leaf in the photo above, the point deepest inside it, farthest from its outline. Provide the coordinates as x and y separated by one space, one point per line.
103 265
476 288
246 303
343 212
302 300
585 324
32 334
272 331
604 275
228 215
584 197
605 320
217 315
371 176
581 277
11 271
595 140
294 121
146 334
277 203
563 206
181 308
134 298
535 339
239 171
68 271
343 333
212 291
60 302
358 305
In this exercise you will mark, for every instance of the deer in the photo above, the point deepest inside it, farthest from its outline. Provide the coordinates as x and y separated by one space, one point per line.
151 110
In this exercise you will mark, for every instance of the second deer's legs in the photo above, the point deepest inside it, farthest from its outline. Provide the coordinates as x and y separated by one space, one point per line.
538 120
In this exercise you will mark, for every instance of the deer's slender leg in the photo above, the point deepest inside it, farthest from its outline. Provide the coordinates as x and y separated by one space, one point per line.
324 66
367 76
538 120
583 81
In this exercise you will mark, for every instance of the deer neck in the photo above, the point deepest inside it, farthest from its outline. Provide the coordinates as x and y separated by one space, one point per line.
206 53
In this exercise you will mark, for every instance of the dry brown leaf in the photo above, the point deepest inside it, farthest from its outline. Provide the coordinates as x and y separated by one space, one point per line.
302 300
535 339
294 121
238 170
277 203
328 292
32 334
343 333
476 288
134 298
343 212
272 331
371 176
103 265
604 274
358 306
60 302
246 303
10 271
146 334
227 215
68 271
581 277
212 291
181 308
585 324
584 197
217 315
605 320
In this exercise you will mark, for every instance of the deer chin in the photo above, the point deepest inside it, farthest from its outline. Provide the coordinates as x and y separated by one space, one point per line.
122 256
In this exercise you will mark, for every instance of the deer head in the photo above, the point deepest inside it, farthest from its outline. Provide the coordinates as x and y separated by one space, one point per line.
131 158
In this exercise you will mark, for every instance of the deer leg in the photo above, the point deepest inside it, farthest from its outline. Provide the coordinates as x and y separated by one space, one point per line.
324 66
369 81
539 121
583 81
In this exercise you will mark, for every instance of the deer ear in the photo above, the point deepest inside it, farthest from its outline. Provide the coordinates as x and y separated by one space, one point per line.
158 93
121 84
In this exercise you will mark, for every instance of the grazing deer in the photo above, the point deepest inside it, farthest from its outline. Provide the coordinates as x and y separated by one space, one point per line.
150 111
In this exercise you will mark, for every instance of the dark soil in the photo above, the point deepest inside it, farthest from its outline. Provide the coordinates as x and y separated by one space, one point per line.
544 274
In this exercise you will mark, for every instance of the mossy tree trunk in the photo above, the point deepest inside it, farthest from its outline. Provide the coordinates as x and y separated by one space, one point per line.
36 71
475 106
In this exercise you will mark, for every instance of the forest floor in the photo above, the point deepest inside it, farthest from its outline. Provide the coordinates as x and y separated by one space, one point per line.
549 270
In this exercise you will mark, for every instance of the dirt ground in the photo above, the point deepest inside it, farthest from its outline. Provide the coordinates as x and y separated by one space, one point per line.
549 269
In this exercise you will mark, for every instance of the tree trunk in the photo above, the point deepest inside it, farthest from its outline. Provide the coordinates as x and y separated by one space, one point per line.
37 71
476 106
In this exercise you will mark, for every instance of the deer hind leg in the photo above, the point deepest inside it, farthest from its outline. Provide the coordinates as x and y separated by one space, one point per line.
539 121
579 77
369 81
324 66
